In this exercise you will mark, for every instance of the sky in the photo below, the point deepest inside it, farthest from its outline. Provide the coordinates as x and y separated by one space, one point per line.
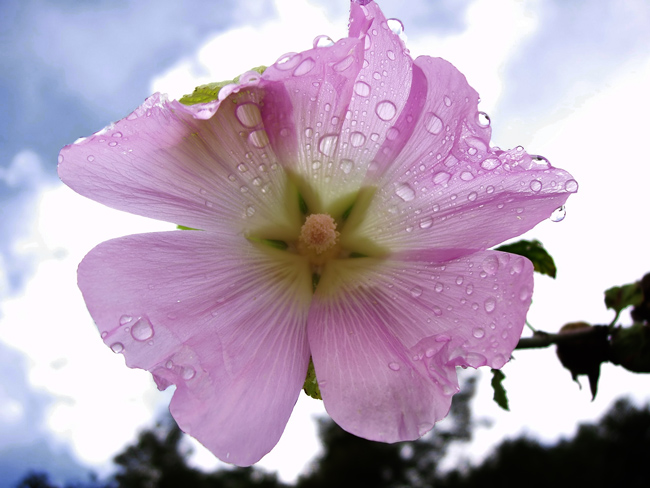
564 79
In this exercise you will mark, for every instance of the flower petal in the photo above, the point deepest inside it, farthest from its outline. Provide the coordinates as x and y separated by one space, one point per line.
221 319
386 336
167 161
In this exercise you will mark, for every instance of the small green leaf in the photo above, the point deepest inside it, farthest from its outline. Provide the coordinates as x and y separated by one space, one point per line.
533 250
182 227
500 396
311 383
210 92
621 297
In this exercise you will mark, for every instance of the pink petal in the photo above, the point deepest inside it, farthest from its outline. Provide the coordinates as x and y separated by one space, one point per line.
166 161
221 319
386 336
448 189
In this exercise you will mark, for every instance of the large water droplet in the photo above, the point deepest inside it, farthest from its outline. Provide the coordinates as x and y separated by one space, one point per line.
416 292
327 144
437 310
426 223
258 138
405 192
304 67
432 123
346 166
386 110
362 88
394 366
490 304
188 373
142 330
490 265
490 163
571 186
396 26
248 114
483 119
441 177
558 214
357 139
125 319
323 41
535 185
478 333
117 347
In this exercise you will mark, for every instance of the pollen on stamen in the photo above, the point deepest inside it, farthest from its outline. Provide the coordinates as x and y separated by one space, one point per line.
318 233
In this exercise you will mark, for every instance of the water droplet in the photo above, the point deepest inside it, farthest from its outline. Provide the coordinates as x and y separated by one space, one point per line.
386 110
125 319
117 347
392 134
357 139
490 265
362 88
489 189
439 287
287 61
441 177
242 167
104 334
424 427
346 166
426 223
535 185
478 333
304 67
474 359
459 280
248 115
472 196
405 192
328 143
394 366
142 330
91 158
416 292
490 163
437 310
315 165
391 55
432 123
524 294
498 361
558 214
112 143
258 138
466 176
447 390
490 304
447 101
469 289
323 41
483 119
517 266
250 211
396 26
188 373
571 186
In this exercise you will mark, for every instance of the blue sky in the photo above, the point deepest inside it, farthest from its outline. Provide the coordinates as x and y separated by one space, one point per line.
564 79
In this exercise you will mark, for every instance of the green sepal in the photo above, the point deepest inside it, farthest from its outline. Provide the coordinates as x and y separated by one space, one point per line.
210 92
182 227
311 383
500 396
533 250
620 297
274 243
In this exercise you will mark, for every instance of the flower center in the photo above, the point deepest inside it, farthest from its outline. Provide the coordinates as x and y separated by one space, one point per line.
317 235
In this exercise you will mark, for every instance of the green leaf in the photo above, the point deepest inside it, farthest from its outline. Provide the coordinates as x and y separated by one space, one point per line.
210 92
621 297
182 227
533 250
500 396
311 383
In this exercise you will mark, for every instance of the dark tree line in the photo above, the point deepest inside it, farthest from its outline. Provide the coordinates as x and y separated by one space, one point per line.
614 452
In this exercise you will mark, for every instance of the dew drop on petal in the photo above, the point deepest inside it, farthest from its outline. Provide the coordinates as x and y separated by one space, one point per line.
394 366
386 110
258 138
459 280
483 119
498 361
104 334
327 144
248 115
304 67
142 330
287 61
535 185
117 347
439 287
405 192
344 64
491 265
466 176
392 134
323 41
426 223
362 88
432 123
437 310
250 211
346 166
558 214
90 158
472 196
357 139
416 292
396 26
490 163
524 293
447 101
188 373
571 186
490 304
478 333
125 319
441 177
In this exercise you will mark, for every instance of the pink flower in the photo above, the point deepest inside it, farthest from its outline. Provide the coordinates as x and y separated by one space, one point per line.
346 199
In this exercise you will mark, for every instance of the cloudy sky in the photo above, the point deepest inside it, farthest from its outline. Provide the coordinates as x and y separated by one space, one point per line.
564 79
